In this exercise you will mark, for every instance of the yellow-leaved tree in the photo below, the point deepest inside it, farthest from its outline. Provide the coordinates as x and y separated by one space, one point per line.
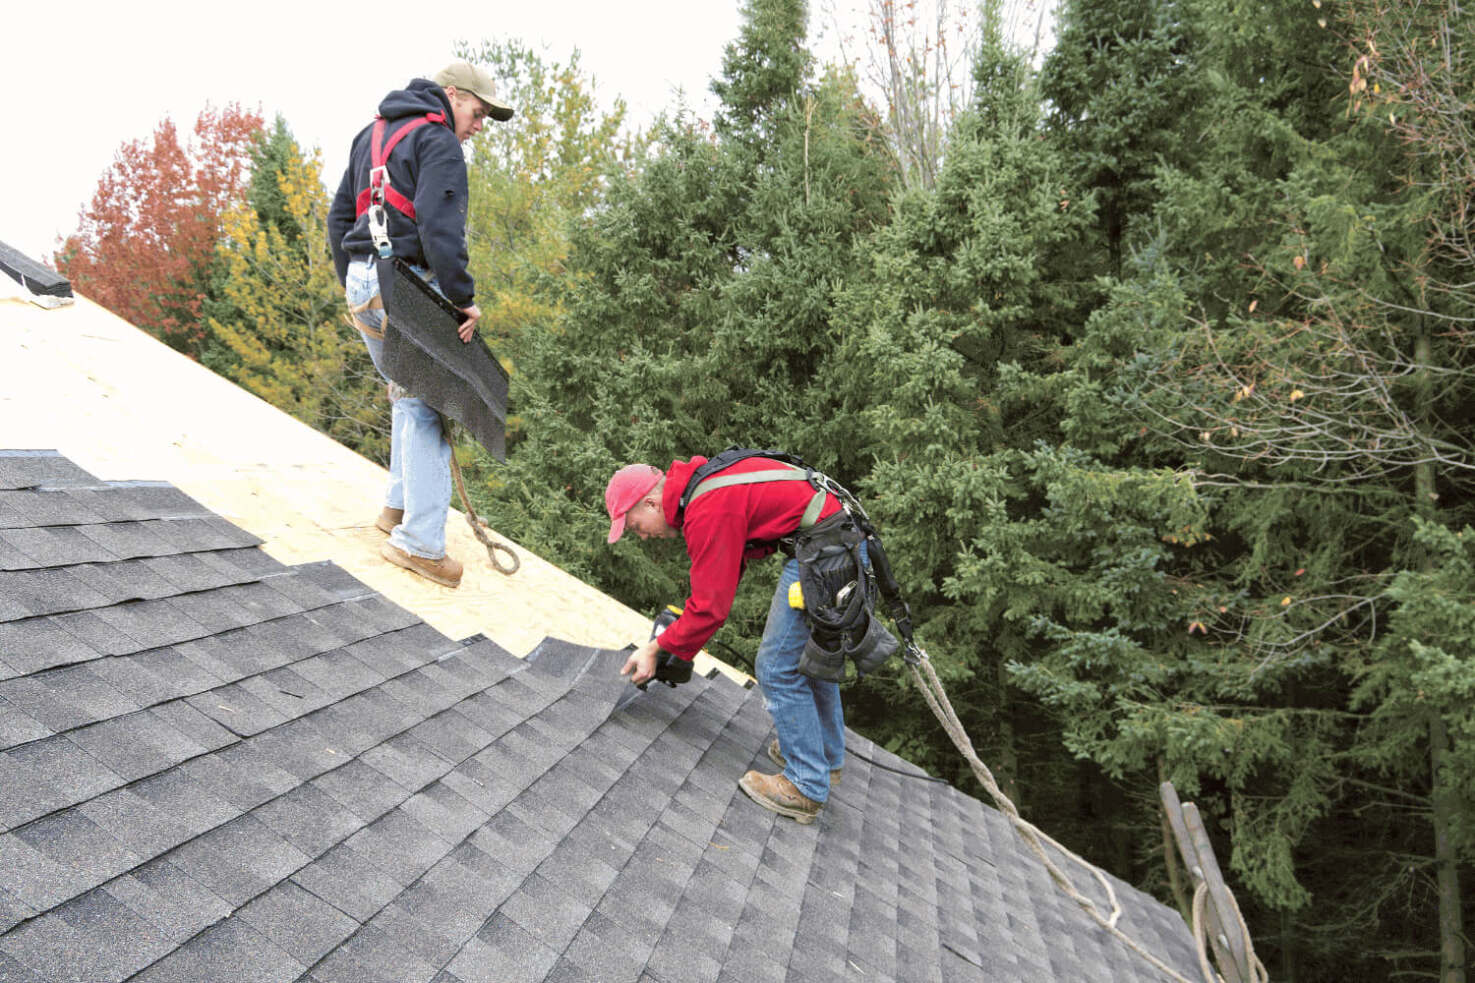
530 178
281 331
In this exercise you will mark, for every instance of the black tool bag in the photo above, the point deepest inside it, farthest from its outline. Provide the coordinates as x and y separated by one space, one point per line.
839 601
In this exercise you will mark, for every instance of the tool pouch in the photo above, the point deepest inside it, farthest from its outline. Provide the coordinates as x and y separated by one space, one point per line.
839 601
823 660
871 650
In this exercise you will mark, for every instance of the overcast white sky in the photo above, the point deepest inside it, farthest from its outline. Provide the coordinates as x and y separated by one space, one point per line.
79 79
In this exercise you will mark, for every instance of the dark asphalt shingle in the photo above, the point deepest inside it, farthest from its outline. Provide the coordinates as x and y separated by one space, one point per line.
128 540
55 546
17 727
136 745
348 882
297 922
227 950
44 776
168 898
40 468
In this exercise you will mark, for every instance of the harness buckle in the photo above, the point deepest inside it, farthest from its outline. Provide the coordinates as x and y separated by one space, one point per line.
378 181
379 230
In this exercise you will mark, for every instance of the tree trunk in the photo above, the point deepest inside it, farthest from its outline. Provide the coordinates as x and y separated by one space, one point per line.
1446 867
1447 874
1008 770
1287 947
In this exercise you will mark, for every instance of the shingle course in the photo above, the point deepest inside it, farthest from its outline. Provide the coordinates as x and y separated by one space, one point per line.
164 895
228 950
348 882
299 923
214 765
31 468
46 775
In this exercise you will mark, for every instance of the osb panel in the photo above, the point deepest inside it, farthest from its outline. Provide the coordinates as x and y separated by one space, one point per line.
123 406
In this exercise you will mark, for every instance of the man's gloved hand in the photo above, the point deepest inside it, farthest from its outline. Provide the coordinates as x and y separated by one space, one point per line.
672 670
650 661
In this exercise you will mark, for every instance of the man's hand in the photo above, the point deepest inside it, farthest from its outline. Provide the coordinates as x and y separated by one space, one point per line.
468 326
642 663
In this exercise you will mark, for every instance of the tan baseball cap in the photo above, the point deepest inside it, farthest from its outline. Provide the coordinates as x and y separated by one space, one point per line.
467 77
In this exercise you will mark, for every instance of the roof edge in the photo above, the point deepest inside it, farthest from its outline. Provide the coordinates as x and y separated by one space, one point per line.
40 280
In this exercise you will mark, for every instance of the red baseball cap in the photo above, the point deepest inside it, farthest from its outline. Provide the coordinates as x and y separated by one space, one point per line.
624 490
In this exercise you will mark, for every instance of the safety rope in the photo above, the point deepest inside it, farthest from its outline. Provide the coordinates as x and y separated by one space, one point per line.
1258 972
477 526
931 687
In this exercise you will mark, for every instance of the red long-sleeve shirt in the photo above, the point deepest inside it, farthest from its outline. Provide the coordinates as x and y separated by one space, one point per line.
717 527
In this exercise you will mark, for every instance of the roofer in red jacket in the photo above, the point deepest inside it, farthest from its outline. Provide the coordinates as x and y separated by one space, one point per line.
724 528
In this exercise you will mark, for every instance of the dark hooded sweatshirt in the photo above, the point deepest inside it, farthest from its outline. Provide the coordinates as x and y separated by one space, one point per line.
427 167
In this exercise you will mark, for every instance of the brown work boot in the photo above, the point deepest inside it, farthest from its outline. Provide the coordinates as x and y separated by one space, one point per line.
388 519
445 571
777 757
778 794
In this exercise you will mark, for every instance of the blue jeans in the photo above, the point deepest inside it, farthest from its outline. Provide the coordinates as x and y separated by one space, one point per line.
419 456
806 712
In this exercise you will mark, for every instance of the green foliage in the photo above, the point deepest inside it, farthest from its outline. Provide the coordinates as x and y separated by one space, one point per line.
1120 78
1424 665
762 70
529 179
697 308
282 330
1269 343
1157 392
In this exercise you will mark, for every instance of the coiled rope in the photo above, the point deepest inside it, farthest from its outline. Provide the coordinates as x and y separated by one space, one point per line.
478 528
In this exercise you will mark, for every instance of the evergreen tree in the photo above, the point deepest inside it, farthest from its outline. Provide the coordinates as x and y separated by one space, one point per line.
1119 81
698 306
530 178
282 331
956 292
1270 342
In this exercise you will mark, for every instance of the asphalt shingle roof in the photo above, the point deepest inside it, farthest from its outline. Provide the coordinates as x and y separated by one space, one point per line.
217 767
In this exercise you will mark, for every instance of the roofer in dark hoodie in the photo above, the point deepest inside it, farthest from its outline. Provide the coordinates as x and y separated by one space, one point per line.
724 529
424 217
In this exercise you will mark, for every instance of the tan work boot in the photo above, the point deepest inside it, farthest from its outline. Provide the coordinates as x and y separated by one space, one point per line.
778 794
445 571
388 519
777 757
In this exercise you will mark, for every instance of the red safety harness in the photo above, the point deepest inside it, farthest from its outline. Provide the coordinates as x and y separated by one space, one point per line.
380 192
379 189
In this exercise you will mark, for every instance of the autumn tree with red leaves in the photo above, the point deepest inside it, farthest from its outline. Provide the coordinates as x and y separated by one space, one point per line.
145 248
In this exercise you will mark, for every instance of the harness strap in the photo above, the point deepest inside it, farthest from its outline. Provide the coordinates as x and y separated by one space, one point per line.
374 303
379 190
788 472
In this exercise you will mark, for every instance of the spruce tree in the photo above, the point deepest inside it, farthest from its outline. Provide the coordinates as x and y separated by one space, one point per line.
697 307
1270 340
